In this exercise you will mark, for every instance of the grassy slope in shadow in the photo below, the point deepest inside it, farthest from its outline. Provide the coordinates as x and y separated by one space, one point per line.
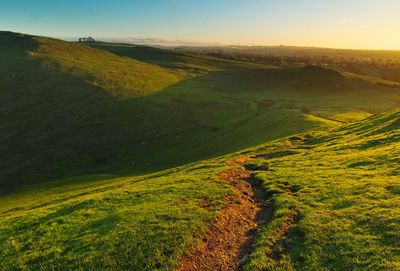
69 109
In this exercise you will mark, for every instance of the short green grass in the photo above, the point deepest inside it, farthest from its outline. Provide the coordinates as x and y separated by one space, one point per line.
337 201
335 196
135 223
92 138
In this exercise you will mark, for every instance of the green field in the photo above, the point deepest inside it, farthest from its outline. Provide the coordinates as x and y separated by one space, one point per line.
111 155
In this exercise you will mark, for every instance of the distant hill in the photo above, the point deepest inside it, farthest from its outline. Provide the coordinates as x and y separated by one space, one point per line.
159 42
383 64
298 51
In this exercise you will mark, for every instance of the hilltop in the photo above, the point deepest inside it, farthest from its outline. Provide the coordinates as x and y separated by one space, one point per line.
99 68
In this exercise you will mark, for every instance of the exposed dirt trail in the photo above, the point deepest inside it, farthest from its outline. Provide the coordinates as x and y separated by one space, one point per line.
228 241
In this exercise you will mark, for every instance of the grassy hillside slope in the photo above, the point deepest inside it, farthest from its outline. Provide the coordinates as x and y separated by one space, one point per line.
119 76
69 109
336 199
335 196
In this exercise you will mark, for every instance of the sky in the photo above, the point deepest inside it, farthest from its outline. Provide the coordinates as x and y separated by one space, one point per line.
358 24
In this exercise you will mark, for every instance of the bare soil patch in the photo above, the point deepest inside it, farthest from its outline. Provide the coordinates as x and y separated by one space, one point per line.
229 239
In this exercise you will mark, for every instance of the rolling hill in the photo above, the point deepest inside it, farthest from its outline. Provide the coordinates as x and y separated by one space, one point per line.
333 200
71 109
126 157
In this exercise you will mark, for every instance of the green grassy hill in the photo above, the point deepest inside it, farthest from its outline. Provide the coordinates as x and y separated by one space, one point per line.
121 77
59 100
69 109
120 157
335 198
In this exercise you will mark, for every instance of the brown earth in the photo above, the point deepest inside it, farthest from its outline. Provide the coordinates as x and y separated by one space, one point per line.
229 239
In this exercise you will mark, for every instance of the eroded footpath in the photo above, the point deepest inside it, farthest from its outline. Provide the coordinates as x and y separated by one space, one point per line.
229 240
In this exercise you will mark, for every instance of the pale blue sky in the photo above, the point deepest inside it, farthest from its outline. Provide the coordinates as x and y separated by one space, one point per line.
371 24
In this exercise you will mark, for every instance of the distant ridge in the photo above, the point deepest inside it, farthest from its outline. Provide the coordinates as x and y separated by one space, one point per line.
151 41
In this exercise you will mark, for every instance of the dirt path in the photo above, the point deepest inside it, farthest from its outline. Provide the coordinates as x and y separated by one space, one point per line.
228 242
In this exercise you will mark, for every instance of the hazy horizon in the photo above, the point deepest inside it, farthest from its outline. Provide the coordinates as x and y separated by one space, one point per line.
355 24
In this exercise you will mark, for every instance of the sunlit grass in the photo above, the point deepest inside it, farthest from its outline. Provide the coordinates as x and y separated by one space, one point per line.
335 196
344 194
137 223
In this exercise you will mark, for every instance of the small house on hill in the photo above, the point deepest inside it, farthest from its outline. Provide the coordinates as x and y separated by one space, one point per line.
86 40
